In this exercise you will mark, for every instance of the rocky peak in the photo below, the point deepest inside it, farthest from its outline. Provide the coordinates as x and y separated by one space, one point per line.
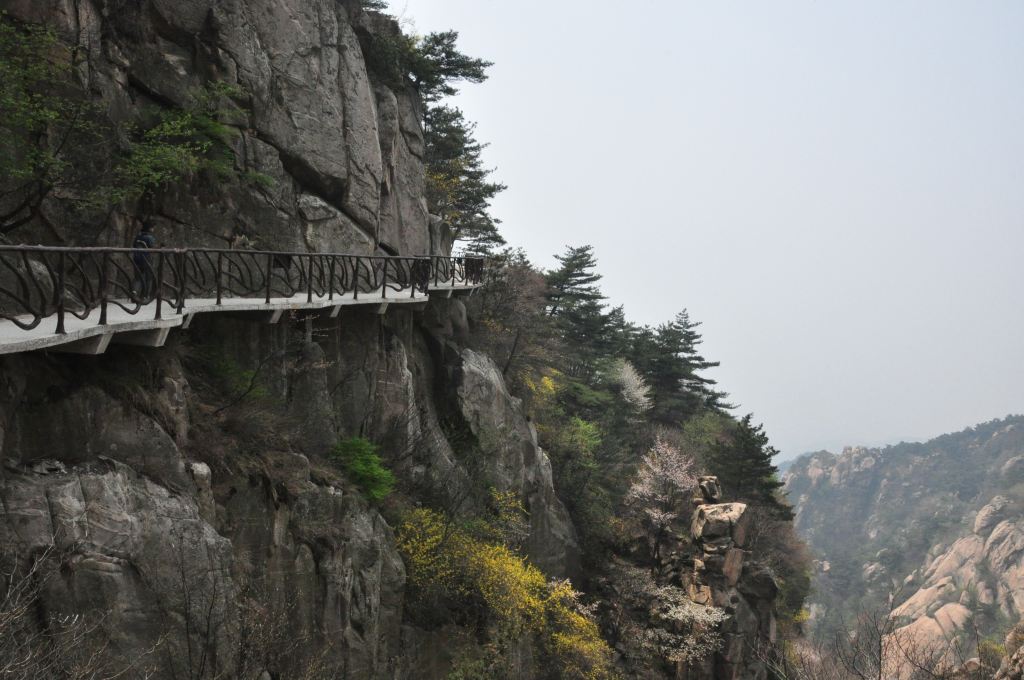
939 522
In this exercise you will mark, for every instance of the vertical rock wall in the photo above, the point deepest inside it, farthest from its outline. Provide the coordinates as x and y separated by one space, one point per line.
173 517
177 525
343 153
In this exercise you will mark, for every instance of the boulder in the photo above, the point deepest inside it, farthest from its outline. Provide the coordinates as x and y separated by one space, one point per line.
758 583
721 525
990 515
710 489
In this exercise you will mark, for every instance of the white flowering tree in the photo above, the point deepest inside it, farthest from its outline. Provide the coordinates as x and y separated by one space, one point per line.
660 620
634 389
663 484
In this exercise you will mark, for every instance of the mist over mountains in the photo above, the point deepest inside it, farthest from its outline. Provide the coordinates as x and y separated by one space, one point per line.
936 526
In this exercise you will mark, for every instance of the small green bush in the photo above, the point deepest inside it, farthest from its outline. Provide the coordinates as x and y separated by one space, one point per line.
358 459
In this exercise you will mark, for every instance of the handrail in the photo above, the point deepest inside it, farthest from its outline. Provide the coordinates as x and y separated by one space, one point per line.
38 282
458 270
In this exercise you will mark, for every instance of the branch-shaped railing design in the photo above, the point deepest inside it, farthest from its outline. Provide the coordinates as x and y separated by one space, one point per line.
453 271
38 282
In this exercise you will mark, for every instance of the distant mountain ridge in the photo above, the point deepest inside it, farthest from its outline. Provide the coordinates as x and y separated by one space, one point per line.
938 524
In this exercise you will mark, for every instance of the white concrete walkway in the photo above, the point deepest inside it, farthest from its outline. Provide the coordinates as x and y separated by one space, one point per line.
87 336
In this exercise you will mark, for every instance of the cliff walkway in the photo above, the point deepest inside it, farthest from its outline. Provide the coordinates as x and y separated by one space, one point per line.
82 299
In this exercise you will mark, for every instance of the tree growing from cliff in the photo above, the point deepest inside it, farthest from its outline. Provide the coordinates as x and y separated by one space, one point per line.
670 626
575 302
575 280
670 358
437 64
55 140
659 491
743 461
459 189
632 386
456 574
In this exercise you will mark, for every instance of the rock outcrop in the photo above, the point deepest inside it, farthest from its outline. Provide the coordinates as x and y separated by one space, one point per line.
937 523
177 520
726 575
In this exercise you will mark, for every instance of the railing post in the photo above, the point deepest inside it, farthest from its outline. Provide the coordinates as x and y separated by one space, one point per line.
309 279
159 283
384 283
270 269
180 258
60 294
220 276
330 279
355 277
104 285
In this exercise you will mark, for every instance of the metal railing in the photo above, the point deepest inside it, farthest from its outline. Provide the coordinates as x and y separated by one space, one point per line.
38 282
455 271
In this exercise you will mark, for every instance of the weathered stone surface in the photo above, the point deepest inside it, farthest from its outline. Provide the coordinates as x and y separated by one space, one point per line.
88 424
129 549
710 490
733 565
726 576
332 558
514 461
721 525
404 219
313 126
990 515
310 401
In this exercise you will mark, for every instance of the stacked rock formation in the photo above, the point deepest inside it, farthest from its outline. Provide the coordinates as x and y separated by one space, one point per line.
725 576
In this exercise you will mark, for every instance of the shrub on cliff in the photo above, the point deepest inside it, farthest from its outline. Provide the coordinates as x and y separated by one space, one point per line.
55 139
488 584
358 459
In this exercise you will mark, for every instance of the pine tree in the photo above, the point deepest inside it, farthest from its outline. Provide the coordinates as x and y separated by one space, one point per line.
458 186
669 359
574 280
576 304
744 465
436 63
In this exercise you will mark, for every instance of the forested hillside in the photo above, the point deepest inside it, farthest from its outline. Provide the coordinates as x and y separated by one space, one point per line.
929 531
610 399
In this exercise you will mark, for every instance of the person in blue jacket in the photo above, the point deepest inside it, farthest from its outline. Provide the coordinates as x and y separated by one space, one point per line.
145 279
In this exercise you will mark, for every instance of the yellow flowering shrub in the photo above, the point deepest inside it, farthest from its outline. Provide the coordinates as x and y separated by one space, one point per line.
572 638
432 550
512 588
517 599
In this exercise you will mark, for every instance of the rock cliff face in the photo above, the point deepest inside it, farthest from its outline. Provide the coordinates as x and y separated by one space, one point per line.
178 495
937 523
174 520
344 153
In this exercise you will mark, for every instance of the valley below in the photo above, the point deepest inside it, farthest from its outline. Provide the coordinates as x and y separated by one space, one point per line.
928 535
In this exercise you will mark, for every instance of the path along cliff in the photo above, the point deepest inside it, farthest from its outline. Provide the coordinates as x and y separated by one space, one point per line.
179 503
178 495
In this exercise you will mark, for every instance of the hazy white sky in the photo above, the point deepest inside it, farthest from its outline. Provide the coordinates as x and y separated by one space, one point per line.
836 189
